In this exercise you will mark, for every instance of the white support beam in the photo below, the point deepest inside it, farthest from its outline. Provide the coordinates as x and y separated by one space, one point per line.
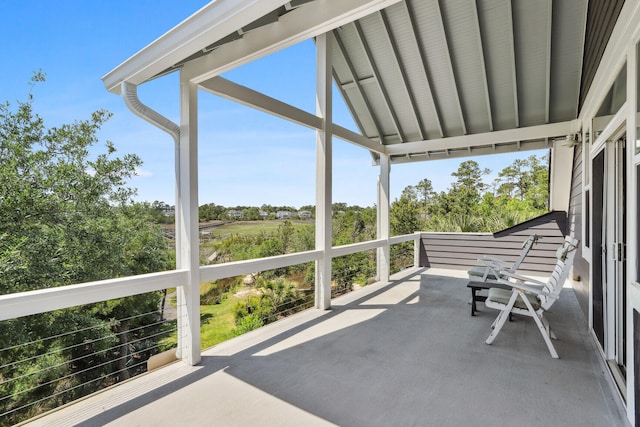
356 139
383 223
251 98
187 211
486 150
481 139
323 171
312 20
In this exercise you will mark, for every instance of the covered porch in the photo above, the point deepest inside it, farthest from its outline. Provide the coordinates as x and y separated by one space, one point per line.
404 352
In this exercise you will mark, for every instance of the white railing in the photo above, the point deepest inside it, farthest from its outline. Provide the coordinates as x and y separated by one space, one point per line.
45 300
133 361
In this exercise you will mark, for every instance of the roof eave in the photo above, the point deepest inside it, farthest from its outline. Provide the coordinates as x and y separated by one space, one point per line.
206 26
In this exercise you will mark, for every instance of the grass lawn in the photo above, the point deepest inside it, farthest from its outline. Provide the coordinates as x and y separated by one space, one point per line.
252 228
217 322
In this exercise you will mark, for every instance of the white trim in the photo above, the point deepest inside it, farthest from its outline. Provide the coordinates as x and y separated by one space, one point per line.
312 20
383 219
188 295
609 130
211 23
324 170
44 300
487 138
626 28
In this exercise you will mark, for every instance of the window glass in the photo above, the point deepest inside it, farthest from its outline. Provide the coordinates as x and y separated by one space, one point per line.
610 105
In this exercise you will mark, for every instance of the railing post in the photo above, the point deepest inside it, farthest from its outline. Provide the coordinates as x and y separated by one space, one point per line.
417 242
187 249
384 252
323 171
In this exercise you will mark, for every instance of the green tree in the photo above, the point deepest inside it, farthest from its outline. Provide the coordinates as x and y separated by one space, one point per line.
67 217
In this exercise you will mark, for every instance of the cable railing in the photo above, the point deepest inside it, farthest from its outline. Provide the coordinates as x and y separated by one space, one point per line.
352 271
89 344
95 349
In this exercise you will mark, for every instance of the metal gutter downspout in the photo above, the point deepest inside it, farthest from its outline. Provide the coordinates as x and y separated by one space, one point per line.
129 93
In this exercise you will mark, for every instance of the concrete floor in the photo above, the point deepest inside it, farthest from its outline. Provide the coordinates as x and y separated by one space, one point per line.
401 354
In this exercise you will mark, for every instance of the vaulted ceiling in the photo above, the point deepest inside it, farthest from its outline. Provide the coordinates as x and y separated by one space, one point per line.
420 75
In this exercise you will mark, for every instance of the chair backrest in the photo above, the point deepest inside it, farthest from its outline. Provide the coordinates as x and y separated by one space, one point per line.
565 255
526 247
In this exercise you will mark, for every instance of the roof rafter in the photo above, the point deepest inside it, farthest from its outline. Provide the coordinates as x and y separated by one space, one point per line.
514 72
403 73
300 24
485 80
450 67
376 74
420 50
358 85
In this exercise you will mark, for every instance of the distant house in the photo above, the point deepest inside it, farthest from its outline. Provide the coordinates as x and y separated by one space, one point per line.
169 211
304 215
234 214
283 214
263 214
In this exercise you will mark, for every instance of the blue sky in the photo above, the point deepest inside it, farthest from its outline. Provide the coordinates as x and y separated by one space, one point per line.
245 157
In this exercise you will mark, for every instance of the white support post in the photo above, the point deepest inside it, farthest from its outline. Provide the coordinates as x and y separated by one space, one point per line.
417 243
187 249
384 252
323 171
561 168
632 226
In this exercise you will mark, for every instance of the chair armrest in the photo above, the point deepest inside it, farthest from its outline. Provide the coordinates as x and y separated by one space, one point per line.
529 289
494 263
525 279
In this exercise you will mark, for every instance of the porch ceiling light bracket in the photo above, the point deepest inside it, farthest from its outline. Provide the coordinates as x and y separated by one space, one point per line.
571 140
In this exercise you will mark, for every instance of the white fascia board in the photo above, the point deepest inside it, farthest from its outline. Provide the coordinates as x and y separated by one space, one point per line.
214 21
482 139
624 33
303 23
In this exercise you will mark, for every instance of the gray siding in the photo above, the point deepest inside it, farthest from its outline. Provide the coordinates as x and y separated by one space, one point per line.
461 251
576 218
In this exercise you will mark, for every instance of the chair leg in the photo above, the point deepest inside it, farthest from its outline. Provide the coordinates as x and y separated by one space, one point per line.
547 327
542 329
502 317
